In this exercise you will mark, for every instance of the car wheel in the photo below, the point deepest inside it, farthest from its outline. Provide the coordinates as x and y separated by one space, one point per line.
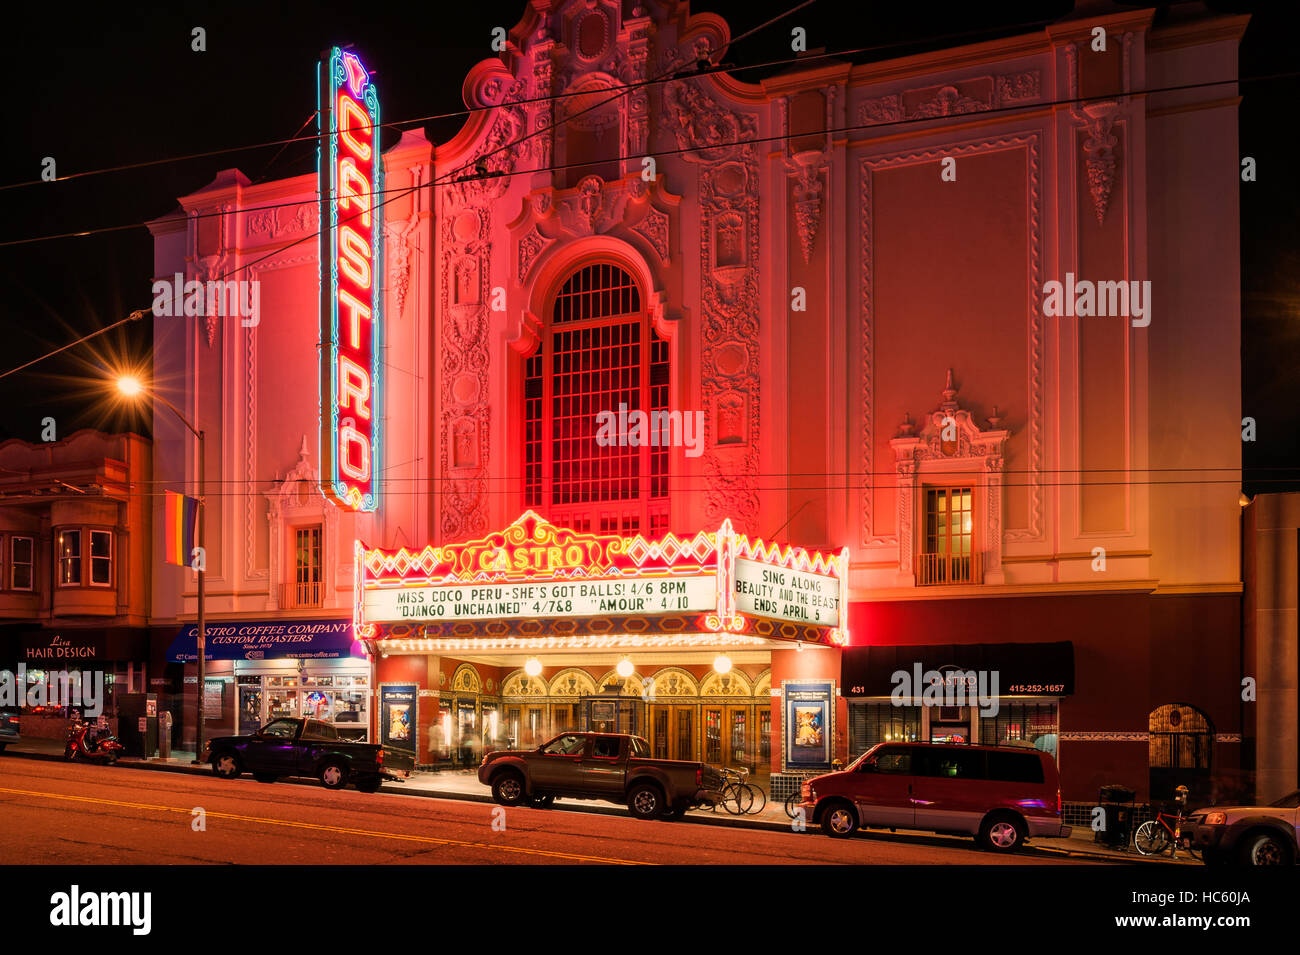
333 775
541 801
370 784
226 765
840 819
265 777
1265 848
1002 832
646 801
508 789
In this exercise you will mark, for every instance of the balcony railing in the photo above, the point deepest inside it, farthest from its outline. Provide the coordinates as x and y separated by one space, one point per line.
299 594
938 569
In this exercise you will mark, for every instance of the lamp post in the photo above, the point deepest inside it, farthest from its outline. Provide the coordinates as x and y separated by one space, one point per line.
131 387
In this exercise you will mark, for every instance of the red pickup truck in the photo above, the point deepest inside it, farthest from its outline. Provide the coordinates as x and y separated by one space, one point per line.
614 767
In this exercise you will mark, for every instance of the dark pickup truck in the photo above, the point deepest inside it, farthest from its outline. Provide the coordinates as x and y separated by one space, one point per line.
299 747
613 767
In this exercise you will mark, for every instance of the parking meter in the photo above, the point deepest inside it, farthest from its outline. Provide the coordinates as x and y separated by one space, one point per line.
165 735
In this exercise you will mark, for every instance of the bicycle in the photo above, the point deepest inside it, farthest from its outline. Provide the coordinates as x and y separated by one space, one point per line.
738 796
792 803
1156 835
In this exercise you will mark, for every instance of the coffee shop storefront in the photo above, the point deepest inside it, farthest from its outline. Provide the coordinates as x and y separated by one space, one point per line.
506 641
259 670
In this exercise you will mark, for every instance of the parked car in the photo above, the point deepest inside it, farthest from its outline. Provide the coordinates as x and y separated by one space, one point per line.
1246 835
299 747
1000 795
8 728
613 767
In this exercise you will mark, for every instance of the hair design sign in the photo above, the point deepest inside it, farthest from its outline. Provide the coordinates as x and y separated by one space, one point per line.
351 177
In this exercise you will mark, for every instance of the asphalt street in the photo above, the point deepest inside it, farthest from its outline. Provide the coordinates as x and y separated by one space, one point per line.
76 814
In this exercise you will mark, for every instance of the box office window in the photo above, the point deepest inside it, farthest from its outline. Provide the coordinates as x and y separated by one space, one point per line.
872 723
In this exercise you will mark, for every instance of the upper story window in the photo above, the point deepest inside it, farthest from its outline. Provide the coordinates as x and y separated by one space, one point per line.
22 562
101 558
75 562
307 567
70 558
598 354
948 553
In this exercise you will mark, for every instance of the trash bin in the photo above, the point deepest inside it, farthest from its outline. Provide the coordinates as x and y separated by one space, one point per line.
165 735
1117 808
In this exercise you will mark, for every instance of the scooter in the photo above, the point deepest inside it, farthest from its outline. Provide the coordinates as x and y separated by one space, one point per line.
80 745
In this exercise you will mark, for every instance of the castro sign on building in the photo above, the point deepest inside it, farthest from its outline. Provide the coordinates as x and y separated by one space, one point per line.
534 578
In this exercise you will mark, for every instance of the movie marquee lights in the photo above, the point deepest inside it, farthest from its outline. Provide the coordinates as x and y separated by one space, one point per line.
715 587
351 174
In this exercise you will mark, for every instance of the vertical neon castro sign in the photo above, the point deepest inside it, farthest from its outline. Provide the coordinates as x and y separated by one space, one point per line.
351 177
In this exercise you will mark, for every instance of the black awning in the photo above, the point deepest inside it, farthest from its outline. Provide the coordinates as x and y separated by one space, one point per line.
1024 669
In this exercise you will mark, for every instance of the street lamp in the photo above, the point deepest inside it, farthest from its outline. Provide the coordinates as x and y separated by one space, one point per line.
131 387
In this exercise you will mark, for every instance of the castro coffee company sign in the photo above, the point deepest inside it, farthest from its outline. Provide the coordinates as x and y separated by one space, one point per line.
59 647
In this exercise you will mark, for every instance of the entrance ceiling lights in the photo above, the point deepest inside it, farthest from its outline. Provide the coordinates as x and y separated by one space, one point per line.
625 668
722 663
533 666
696 641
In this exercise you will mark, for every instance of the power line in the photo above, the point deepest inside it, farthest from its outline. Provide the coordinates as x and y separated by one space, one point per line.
674 151
399 125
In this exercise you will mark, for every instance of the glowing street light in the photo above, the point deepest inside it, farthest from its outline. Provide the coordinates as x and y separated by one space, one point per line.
130 386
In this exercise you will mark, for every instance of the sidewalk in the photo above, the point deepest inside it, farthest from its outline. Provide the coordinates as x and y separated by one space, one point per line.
464 785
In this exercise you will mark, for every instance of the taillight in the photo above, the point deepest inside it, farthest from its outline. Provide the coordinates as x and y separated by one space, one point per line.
379 757
1060 806
699 776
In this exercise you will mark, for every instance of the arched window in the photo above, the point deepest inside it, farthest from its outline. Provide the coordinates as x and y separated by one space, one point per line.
1181 750
598 355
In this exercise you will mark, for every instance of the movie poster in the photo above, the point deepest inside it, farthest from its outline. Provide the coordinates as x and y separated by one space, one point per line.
808 709
397 715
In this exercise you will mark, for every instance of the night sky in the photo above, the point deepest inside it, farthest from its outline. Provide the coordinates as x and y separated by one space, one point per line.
105 86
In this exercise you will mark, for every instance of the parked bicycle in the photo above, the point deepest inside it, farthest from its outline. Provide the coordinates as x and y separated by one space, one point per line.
1164 831
740 797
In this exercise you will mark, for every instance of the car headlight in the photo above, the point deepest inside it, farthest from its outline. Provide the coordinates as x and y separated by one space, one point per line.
1215 818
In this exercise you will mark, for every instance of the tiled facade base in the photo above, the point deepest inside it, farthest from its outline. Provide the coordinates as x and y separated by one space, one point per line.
783 784
1080 813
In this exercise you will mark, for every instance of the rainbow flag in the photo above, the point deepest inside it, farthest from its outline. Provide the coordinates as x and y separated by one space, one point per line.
178 528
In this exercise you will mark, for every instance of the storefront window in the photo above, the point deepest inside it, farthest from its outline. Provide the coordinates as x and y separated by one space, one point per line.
1022 724
872 723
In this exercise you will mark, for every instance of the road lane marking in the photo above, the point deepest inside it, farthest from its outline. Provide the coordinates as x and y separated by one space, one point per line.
289 823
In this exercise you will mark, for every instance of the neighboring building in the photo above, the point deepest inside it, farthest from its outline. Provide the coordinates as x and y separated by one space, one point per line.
845 270
75 562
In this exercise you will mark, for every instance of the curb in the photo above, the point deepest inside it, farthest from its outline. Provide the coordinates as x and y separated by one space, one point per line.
695 818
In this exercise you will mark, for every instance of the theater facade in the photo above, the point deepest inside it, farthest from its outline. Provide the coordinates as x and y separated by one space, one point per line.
824 289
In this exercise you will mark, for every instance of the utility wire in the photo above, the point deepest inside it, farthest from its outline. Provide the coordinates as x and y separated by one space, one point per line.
561 167
400 125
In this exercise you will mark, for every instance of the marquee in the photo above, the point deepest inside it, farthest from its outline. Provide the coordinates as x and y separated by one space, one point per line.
543 581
